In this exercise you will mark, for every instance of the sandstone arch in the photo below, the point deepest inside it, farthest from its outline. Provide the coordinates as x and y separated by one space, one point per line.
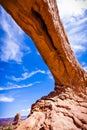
40 20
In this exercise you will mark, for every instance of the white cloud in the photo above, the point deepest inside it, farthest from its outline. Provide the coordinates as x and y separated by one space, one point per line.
74 19
11 86
84 65
4 98
49 75
71 7
27 75
11 51
37 52
78 48
25 111
12 39
77 34
85 68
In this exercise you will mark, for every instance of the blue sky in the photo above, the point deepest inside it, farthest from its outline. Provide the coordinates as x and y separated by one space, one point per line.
24 77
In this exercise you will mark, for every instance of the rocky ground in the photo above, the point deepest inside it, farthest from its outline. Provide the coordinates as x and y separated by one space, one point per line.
11 123
58 111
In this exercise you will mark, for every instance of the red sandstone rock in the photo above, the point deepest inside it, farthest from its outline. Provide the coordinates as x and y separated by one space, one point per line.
64 111
40 20
17 119
66 107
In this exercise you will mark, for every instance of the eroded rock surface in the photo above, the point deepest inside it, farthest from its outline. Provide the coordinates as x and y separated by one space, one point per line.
64 111
66 107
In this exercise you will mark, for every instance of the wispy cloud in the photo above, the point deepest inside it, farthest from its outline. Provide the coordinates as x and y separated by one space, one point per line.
74 19
11 86
25 111
12 41
27 75
4 98
85 68
84 65
71 8
77 33
49 75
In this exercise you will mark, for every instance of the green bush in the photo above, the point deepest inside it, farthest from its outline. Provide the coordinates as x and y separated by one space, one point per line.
8 129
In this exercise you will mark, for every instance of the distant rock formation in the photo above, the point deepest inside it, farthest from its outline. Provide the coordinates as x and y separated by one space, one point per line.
66 107
17 119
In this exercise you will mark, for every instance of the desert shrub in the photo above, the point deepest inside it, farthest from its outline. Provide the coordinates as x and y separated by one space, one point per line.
9 128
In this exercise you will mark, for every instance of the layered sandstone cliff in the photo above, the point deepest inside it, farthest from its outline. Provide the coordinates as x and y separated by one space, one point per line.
66 107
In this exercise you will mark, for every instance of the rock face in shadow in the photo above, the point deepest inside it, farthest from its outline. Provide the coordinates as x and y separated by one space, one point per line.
66 107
